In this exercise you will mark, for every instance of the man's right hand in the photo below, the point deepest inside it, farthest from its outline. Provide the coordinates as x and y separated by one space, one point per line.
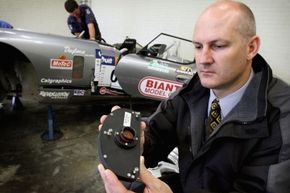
142 125
152 184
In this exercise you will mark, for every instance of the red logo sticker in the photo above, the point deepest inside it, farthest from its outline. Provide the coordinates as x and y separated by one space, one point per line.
158 88
61 64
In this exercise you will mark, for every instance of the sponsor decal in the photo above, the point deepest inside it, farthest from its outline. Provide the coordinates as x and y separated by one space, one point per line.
104 76
157 88
55 81
104 90
108 60
74 51
78 92
185 70
62 56
98 61
104 68
54 95
98 53
159 67
61 64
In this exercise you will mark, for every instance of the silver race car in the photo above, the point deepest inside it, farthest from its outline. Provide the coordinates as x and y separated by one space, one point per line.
57 69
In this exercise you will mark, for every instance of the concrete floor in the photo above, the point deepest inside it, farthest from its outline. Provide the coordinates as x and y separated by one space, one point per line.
67 165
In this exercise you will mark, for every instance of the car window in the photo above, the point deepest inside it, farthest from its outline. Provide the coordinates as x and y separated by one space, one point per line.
171 48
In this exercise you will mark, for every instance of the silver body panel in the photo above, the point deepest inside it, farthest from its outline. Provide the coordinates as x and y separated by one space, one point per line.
52 68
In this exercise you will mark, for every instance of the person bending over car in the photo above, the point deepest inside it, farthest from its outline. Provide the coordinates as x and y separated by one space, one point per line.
231 122
82 21
4 24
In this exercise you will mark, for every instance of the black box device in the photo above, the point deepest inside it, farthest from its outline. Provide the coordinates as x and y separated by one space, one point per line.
119 144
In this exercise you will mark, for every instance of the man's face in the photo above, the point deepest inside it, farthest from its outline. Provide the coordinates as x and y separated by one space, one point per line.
220 53
76 13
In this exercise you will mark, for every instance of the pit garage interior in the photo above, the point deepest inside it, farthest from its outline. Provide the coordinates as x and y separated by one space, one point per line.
68 164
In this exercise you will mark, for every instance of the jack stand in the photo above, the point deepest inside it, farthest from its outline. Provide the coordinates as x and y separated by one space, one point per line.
16 103
51 133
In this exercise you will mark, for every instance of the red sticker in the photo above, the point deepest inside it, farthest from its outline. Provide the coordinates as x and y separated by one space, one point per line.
61 64
158 88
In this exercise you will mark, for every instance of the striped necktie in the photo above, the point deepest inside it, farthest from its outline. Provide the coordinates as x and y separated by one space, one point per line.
214 117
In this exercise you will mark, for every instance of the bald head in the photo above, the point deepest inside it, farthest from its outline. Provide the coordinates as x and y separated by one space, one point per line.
231 11
225 43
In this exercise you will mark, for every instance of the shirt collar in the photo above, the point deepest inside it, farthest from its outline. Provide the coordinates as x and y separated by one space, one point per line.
228 102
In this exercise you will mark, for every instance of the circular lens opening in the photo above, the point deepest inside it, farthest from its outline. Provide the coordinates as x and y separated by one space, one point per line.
127 134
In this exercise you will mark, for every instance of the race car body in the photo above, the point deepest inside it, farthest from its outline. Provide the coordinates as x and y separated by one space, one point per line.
57 69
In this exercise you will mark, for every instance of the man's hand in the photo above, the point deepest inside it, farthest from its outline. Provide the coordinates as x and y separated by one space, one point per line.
103 118
142 126
111 182
152 184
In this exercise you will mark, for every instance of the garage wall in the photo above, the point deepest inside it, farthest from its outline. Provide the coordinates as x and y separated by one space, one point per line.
47 16
144 19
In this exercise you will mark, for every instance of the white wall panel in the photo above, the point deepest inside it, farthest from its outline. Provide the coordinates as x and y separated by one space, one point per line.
48 16
273 26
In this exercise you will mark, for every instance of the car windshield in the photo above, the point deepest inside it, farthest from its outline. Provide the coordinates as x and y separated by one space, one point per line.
171 48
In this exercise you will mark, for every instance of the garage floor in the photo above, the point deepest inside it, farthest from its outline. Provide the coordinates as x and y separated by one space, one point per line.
29 164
